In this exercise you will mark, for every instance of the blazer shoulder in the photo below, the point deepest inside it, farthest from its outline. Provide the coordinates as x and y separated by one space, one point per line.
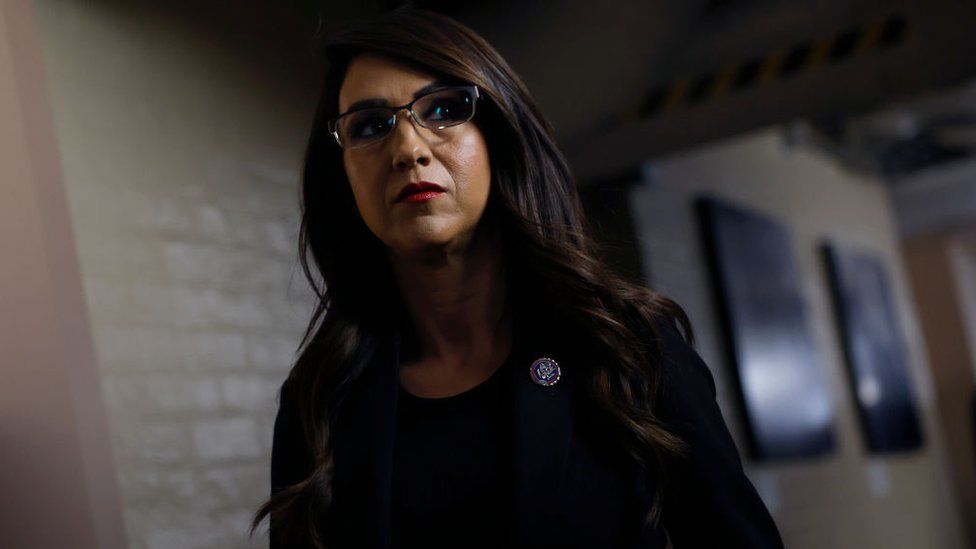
709 501
684 373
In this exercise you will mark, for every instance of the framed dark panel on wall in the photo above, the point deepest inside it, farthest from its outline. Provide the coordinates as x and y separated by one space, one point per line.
874 349
782 391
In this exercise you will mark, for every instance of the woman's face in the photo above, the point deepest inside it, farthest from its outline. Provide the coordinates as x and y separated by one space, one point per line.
455 158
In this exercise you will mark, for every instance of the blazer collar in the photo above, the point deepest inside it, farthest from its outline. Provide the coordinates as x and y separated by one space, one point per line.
542 429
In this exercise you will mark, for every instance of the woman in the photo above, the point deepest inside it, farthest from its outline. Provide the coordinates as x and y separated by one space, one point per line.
473 375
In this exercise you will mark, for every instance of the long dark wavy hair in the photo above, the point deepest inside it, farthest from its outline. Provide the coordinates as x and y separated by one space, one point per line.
547 246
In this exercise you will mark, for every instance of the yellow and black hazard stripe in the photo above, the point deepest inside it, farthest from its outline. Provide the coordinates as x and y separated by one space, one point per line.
778 65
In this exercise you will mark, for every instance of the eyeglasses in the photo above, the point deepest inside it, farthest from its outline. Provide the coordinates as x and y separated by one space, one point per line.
436 110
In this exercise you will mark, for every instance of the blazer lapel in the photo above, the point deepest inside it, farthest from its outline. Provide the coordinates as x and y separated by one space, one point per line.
542 427
364 453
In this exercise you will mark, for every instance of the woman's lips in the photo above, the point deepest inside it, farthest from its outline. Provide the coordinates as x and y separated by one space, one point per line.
421 196
419 191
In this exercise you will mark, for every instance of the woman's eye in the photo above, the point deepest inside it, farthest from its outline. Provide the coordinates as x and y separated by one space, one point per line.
442 109
367 125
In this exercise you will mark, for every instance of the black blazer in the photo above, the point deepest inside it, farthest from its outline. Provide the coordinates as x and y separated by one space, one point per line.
568 487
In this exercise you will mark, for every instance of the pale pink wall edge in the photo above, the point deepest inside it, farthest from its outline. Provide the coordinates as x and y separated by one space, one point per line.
55 457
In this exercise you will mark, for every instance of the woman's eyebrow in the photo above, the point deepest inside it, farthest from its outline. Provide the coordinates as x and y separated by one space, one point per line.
380 102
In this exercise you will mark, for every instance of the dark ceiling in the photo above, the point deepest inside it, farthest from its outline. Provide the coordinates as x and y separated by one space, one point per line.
624 81
627 80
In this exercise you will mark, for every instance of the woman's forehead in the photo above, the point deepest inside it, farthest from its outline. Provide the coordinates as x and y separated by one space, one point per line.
372 76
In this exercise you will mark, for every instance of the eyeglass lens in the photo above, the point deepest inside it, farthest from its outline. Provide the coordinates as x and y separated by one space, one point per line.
439 109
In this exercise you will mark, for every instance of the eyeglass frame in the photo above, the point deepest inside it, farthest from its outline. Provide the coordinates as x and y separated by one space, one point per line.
333 124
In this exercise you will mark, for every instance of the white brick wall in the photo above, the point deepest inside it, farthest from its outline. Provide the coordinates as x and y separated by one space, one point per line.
846 500
181 162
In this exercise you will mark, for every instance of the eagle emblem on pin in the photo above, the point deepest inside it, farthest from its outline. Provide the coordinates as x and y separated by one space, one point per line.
545 371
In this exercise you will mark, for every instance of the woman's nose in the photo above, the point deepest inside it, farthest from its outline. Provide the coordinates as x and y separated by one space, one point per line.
409 146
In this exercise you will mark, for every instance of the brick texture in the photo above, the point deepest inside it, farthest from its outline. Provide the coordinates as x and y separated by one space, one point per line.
181 162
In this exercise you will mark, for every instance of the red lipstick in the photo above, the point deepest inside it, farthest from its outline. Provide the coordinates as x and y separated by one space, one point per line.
419 191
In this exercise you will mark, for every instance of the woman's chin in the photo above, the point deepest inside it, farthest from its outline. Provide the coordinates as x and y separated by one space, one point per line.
427 244
426 231
413 242
431 235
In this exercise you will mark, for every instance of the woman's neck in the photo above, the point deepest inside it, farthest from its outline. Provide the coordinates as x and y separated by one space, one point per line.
456 300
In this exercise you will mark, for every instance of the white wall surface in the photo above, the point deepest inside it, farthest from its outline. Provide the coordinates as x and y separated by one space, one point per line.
181 160
847 499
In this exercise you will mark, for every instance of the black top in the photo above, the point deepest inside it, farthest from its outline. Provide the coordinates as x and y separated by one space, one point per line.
452 467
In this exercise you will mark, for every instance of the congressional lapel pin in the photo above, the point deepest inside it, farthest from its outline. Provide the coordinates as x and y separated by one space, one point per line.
545 371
